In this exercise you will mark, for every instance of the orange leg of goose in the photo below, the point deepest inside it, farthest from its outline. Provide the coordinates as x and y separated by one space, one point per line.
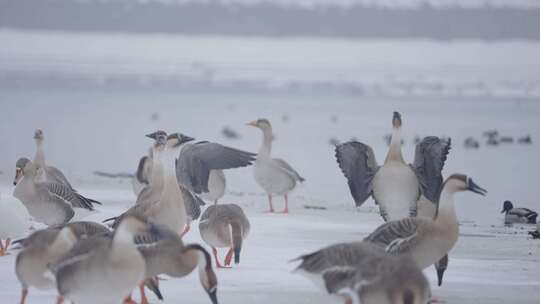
286 210
129 300
228 257
218 264
144 300
186 230
59 300
271 210
4 247
24 293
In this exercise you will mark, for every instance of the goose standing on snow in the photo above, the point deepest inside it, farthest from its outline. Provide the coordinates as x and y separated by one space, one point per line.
224 226
518 215
200 167
426 240
274 175
363 273
47 246
165 253
102 269
395 186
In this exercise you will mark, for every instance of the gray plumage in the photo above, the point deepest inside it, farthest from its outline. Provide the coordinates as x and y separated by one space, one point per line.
397 236
358 164
286 167
193 204
196 161
429 159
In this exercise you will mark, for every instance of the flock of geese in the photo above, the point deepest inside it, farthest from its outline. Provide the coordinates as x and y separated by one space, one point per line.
87 262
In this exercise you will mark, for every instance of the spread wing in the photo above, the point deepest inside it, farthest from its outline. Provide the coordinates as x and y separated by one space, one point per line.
197 160
358 164
429 159
69 195
57 176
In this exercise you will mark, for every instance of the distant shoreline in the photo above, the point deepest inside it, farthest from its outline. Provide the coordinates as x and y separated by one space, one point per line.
264 19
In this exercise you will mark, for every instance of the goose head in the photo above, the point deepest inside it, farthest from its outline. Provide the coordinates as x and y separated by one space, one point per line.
175 140
20 167
38 136
507 206
261 123
207 276
461 182
396 120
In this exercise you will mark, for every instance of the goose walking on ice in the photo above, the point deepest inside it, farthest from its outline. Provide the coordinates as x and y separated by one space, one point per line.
224 226
165 253
395 186
102 269
47 246
363 273
200 167
274 175
427 240
518 215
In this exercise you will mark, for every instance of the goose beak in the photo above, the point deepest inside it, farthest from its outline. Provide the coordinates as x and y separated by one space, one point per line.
475 188
253 124
151 135
440 274
213 295
18 176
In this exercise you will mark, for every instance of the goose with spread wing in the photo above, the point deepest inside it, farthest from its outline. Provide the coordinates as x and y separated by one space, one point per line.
395 186
427 240
274 175
200 167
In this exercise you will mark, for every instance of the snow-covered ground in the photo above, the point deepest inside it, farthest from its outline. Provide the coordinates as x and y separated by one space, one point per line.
90 128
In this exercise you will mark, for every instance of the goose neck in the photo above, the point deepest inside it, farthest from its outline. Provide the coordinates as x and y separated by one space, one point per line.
394 152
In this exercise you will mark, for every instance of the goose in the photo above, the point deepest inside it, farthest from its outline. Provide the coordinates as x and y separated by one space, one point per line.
46 201
395 186
47 246
518 215
165 253
274 175
166 205
426 240
200 167
13 223
224 225
102 269
53 173
363 273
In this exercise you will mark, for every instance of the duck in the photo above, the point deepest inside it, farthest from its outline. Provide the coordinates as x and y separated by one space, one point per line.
274 175
165 253
47 246
518 215
13 222
224 225
102 268
395 186
363 273
427 240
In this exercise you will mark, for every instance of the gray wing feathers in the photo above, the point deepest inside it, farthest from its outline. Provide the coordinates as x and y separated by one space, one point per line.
358 164
395 236
196 161
68 194
192 203
429 159
57 176
285 166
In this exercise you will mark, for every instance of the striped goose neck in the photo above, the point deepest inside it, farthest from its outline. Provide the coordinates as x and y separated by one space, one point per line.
394 152
446 210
